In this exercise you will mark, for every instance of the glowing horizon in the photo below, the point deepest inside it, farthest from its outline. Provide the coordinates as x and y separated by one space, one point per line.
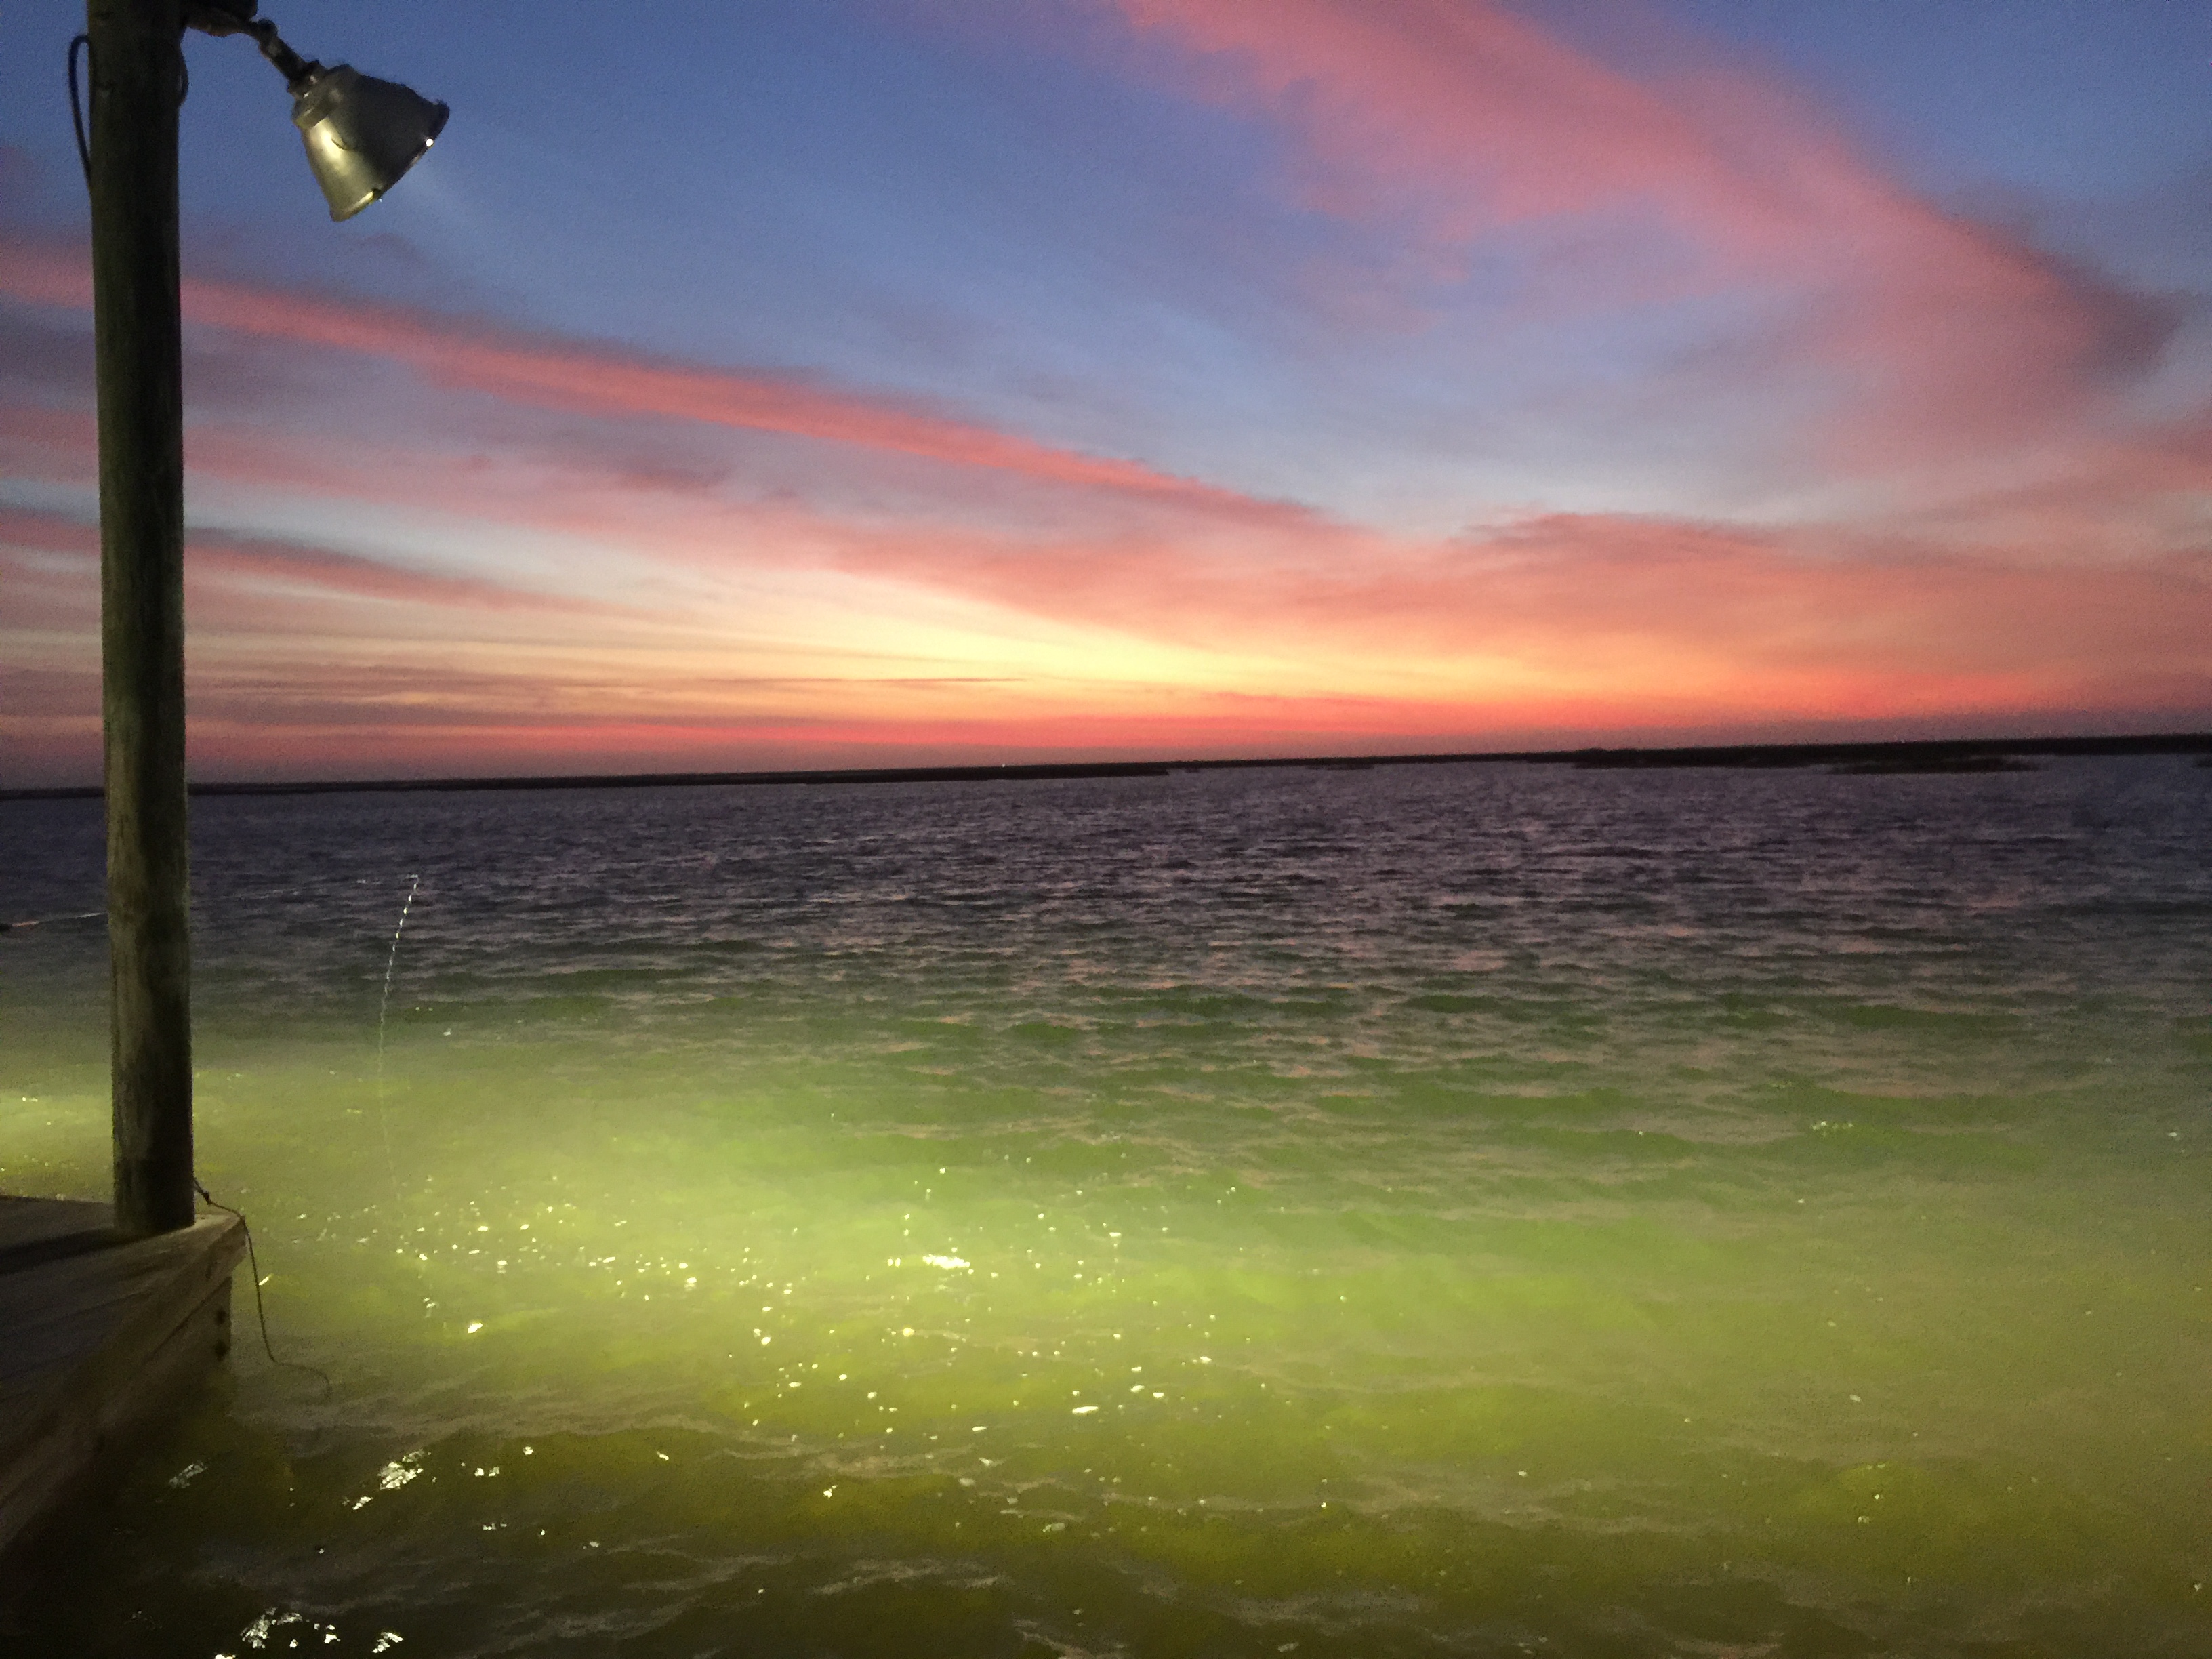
1313 377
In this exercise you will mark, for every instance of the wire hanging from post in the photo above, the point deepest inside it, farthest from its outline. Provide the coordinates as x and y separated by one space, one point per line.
76 108
76 104
261 1313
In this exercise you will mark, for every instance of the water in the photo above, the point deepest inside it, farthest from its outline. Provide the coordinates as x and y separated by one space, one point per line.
1451 1210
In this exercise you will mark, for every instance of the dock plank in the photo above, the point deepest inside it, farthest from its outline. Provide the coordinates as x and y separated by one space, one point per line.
35 1221
36 1229
99 1339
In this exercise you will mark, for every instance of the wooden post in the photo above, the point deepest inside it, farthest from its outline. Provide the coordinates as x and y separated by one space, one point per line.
136 69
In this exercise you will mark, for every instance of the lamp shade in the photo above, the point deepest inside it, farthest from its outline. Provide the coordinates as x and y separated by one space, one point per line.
361 134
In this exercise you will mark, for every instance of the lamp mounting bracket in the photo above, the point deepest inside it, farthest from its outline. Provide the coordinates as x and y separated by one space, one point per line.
220 16
237 17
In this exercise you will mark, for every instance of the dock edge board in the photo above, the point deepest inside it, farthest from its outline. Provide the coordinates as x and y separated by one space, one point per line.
130 1333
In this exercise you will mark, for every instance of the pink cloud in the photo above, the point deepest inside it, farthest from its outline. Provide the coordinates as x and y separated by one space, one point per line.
1930 335
1604 622
60 444
221 572
271 568
546 373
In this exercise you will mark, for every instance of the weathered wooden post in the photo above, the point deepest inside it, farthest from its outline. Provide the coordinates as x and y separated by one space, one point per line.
138 77
361 134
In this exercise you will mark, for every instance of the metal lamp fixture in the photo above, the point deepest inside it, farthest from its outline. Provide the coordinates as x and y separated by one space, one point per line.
361 134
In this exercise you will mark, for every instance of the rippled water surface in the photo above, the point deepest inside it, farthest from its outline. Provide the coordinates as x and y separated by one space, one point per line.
1449 1210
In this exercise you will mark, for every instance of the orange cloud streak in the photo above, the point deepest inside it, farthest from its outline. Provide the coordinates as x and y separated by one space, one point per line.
1687 623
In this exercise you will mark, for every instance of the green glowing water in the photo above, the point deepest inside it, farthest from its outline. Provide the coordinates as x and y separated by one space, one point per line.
1455 1210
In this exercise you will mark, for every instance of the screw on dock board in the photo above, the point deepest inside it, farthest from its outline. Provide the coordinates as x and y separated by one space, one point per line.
383 1124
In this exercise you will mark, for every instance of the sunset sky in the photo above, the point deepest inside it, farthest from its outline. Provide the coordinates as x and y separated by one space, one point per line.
818 383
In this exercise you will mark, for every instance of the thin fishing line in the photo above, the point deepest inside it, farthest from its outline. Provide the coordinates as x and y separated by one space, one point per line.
383 1122
35 921
260 1312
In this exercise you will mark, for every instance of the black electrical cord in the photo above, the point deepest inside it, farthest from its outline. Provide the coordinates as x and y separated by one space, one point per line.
260 1312
76 106
77 109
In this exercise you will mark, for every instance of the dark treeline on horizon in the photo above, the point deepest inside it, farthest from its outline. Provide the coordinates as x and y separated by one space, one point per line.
1920 755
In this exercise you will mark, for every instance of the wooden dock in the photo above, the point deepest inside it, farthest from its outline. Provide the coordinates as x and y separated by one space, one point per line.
100 1338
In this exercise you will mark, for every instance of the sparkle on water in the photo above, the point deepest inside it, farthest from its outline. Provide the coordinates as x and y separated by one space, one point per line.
1445 1210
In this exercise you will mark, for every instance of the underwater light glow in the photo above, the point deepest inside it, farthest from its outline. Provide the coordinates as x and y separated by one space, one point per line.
1360 1210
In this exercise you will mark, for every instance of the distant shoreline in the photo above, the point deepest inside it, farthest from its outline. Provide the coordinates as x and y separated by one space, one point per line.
1931 755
